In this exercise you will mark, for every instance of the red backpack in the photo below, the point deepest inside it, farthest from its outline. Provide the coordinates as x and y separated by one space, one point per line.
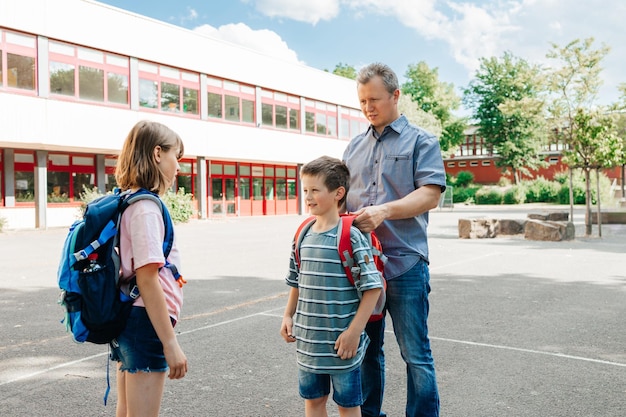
345 254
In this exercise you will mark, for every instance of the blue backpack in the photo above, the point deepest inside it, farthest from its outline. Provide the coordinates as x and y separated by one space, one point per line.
96 309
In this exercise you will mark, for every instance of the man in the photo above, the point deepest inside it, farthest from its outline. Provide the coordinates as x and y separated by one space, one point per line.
397 176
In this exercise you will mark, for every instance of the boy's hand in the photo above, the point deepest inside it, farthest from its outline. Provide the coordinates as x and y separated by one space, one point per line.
286 330
347 344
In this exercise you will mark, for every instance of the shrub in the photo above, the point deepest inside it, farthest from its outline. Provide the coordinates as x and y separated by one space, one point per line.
179 205
464 179
3 222
464 195
540 190
488 195
578 180
515 195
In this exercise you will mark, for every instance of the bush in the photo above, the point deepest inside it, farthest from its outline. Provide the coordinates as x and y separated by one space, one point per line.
578 180
3 222
515 195
464 195
179 205
488 195
464 179
541 190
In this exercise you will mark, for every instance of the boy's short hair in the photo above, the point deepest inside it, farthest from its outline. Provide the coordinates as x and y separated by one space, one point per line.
333 171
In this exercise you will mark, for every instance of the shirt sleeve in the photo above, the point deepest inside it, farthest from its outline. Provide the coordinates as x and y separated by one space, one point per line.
369 277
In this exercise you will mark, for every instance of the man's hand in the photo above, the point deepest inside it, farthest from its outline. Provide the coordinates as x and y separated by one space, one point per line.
369 218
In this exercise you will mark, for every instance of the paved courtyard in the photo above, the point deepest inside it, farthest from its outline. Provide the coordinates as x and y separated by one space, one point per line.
519 328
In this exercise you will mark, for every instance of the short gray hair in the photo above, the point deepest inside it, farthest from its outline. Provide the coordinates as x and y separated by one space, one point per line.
381 70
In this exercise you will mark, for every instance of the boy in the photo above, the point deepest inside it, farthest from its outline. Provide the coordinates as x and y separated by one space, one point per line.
330 313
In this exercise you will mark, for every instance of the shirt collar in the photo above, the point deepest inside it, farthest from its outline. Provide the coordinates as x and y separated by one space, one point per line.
397 126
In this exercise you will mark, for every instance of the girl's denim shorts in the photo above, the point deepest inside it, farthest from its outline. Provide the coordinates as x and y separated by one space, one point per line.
138 348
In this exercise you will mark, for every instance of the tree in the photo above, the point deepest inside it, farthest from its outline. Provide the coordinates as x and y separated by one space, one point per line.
575 84
417 116
506 99
436 98
594 147
345 70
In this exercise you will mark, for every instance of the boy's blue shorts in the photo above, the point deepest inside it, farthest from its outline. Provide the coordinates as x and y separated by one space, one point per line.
138 348
346 387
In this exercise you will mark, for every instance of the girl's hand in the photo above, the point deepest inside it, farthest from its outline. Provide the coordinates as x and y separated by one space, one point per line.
176 360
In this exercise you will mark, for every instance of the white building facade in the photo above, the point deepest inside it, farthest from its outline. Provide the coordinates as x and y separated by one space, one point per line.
76 75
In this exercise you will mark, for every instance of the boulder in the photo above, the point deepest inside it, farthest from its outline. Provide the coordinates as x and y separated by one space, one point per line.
510 227
477 228
557 216
554 231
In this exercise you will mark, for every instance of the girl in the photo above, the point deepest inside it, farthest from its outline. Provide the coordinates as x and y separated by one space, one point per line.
148 345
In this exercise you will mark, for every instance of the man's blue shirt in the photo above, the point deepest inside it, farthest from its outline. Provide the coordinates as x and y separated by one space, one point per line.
387 168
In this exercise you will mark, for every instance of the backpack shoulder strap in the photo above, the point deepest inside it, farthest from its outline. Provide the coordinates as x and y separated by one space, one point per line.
344 245
143 194
168 241
297 239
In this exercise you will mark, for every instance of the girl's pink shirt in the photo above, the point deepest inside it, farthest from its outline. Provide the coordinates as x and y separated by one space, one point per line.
141 243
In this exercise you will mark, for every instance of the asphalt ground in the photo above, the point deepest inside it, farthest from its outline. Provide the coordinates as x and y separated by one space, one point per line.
519 328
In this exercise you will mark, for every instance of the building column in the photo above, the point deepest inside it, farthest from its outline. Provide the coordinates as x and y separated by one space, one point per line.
300 193
9 178
201 187
41 189
100 174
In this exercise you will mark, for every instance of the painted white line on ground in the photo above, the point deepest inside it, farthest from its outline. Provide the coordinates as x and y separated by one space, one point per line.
536 352
61 365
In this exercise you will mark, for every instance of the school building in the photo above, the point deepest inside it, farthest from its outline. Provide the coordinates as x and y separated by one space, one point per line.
76 75
475 156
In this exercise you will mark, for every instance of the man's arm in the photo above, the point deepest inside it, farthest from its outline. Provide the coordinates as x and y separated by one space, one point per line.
417 202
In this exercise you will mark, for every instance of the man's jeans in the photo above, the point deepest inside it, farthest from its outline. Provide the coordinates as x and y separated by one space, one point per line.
407 303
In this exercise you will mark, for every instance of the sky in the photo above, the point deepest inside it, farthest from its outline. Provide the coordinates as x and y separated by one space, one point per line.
450 36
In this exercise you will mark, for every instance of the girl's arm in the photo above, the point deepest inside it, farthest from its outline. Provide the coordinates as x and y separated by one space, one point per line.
286 328
154 300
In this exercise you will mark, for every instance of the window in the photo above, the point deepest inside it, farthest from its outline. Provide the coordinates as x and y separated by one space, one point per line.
18 54
486 163
352 123
473 163
462 164
88 74
451 164
280 110
230 101
168 89
321 118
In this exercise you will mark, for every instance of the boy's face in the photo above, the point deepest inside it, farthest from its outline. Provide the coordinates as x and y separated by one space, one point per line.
318 198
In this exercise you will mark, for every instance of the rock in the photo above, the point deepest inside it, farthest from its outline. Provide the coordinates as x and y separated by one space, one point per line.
557 216
477 228
510 227
554 231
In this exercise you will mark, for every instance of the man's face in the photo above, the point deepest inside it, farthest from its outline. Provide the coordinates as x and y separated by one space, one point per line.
377 104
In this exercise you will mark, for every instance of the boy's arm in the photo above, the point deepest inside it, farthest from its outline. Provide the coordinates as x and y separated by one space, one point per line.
287 325
347 343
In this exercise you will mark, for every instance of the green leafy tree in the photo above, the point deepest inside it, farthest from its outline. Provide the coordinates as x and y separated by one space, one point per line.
417 116
574 83
437 98
506 100
595 146
345 70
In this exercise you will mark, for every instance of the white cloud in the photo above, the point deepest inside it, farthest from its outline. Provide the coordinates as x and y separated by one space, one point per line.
307 11
264 41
